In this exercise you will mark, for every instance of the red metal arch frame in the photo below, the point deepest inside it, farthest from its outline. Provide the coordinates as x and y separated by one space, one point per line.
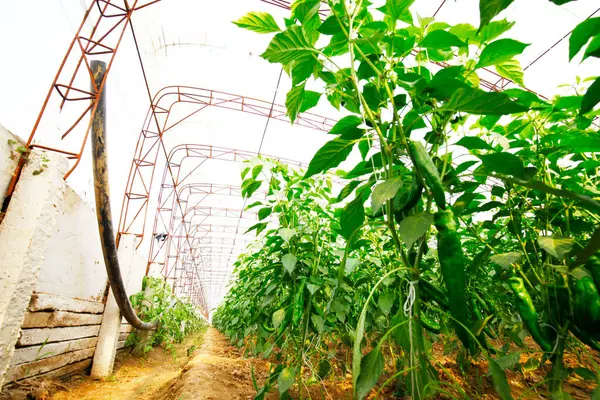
170 215
185 194
159 121
99 35
175 208
169 200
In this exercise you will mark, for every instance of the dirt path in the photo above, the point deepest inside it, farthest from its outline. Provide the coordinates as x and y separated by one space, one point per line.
217 371
134 378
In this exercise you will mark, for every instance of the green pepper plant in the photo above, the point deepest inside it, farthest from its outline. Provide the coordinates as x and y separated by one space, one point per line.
177 318
483 203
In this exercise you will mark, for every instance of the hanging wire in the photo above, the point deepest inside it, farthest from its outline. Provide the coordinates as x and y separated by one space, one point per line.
262 139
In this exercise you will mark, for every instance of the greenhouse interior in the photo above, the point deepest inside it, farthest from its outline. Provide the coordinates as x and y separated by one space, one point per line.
303 199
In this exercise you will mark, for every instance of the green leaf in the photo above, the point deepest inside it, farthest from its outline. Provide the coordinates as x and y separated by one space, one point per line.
509 361
371 368
329 156
531 365
477 101
415 226
286 379
397 9
347 190
278 317
384 192
337 46
330 26
287 46
474 143
441 40
488 9
556 246
307 12
312 288
386 302
256 171
249 187
499 52
293 101
582 34
512 70
578 143
260 22
310 100
289 262
318 321
591 98
264 213
505 260
499 380
593 49
286 234
353 216
346 125
303 69
258 227
504 163
351 264
495 29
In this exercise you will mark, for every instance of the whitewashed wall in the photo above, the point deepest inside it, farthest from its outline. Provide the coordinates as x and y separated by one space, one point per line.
74 264
8 159
59 329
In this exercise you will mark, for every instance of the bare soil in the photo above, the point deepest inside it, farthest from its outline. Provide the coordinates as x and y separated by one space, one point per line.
133 377
220 371
215 370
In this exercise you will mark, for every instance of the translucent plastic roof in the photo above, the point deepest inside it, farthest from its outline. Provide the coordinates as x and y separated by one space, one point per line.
193 43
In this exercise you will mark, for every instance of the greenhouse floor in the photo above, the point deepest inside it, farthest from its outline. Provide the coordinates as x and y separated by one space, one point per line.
207 367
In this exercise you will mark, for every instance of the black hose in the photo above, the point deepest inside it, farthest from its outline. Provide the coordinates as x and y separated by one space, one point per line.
103 213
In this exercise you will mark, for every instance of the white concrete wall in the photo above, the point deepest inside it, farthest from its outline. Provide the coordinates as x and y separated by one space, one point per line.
66 293
74 264
9 159
25 232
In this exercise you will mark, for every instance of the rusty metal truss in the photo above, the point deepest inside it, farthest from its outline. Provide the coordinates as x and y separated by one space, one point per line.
186 237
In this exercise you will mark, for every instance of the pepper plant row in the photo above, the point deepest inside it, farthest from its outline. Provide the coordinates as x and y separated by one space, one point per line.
470 213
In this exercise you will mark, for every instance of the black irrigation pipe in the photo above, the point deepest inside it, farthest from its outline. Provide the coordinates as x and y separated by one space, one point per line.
103 212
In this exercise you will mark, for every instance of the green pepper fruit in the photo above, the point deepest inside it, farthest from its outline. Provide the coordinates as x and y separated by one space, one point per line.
406 201
452 264
528 313
298 304
432 292
429 324
587 300
593 266
429 172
